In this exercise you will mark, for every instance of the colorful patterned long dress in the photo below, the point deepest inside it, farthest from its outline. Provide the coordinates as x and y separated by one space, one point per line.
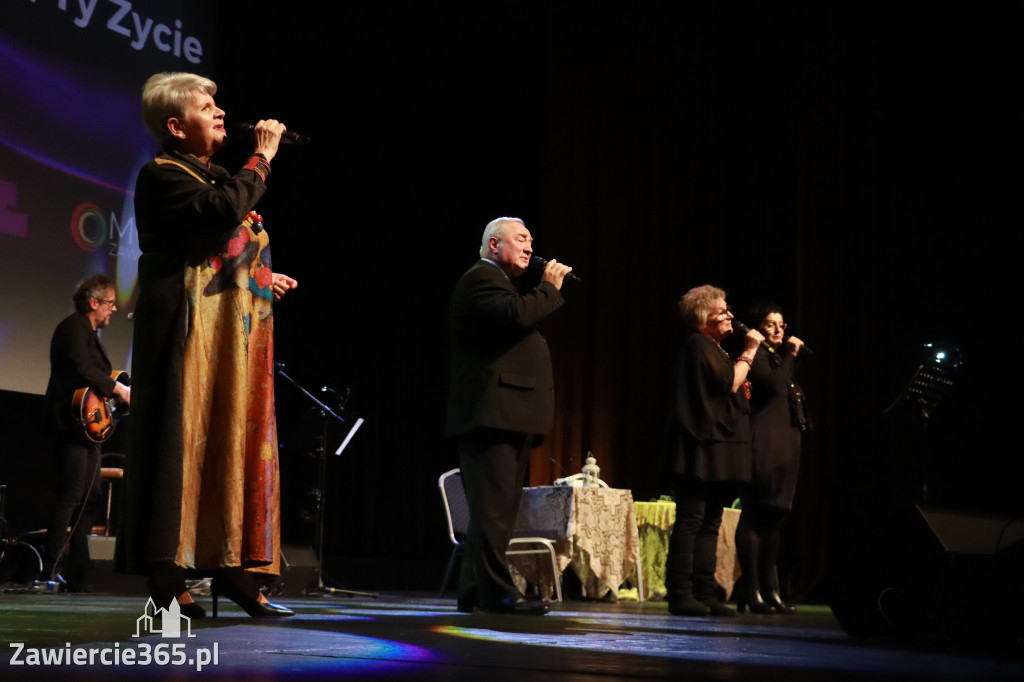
201 484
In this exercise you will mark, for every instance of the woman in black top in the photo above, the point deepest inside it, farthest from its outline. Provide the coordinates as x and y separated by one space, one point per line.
709 448
778 420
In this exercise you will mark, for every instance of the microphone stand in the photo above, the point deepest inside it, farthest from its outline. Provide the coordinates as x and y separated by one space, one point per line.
325 414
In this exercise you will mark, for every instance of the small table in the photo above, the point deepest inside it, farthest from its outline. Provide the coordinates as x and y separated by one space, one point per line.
593 530
655 521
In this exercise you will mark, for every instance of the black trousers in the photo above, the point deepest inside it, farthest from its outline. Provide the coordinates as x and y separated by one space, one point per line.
693 545
78 480
494 465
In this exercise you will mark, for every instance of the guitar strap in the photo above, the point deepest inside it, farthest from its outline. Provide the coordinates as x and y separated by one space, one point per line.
183 167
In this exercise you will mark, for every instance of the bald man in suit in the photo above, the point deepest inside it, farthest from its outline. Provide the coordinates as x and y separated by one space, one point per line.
501 401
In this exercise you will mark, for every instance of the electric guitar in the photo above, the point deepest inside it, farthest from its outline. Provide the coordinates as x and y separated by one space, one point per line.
96 416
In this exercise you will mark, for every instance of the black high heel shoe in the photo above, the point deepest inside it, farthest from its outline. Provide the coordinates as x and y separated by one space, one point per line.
162 601
775 601
254 607
752 599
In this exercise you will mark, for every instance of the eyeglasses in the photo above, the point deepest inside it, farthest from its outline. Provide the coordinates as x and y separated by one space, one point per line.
724 315
111 302
781 326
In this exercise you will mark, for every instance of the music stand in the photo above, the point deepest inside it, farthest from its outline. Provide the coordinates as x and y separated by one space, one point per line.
326 414
928 386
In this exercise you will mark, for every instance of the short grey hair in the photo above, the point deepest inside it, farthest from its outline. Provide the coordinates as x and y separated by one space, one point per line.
93 287
695 305
496 229
167 95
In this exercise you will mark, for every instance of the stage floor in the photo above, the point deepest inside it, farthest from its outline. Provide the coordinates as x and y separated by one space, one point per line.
416 637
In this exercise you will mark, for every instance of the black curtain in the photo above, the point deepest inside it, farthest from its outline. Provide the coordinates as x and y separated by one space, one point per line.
846 163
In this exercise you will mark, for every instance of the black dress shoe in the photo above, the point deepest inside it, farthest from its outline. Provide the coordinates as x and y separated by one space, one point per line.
465 606
518 606
686 605
717 608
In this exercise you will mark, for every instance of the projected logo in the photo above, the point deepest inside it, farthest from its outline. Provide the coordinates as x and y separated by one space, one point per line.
11 221
92 230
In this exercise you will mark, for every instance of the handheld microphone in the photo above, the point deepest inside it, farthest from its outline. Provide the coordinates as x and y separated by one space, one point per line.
541 262
738 325
287 137
743 329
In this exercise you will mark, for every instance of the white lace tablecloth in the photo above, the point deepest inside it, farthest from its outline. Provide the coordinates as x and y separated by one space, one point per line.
593 529
655 521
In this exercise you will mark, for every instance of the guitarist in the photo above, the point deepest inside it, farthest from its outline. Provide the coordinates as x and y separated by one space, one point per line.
77 360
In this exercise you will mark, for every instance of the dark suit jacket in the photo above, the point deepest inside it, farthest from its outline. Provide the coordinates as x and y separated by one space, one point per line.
501 374
77 360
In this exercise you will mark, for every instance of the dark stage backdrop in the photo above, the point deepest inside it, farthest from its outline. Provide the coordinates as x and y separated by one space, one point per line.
850 165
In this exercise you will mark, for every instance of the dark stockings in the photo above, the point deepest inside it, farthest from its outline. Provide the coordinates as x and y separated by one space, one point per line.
758 537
